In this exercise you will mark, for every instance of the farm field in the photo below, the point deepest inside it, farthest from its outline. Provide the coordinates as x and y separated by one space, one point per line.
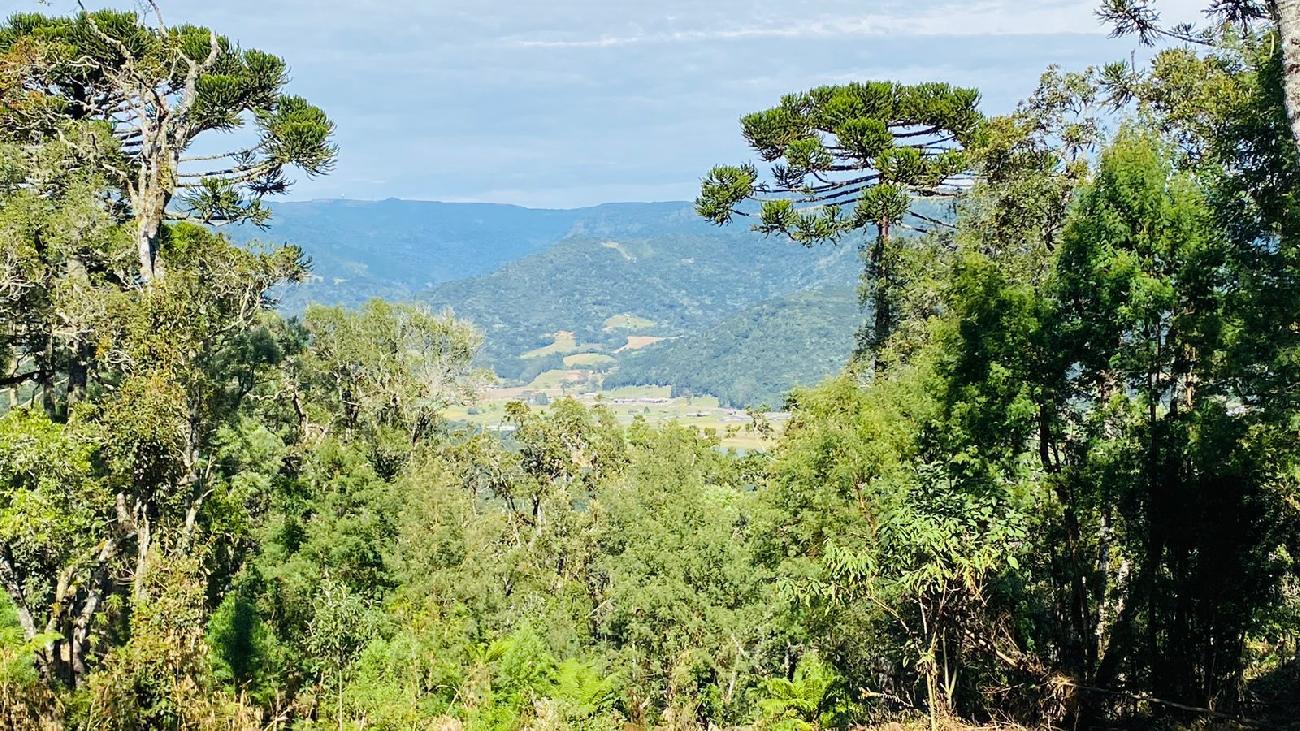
588 360
734 427
564 342
627 322
637 342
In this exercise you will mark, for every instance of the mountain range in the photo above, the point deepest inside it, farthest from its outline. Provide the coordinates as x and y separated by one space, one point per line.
644 292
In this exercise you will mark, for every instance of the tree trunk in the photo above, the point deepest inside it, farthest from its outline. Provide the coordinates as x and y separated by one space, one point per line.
9 394
80 635
1288 29
48 371
78 373
876 291
79 351
143 537
12 585
149 199
148 229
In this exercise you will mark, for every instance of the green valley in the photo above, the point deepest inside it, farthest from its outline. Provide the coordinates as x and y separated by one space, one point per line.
966 403
602 299
755 356
587 288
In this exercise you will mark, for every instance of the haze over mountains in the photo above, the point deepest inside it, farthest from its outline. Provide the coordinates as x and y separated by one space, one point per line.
642 292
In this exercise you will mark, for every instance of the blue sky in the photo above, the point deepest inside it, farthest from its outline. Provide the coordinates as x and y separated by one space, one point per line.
572 102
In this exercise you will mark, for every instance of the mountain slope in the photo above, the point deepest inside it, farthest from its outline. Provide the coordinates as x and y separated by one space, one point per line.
668 284
639 292
756 356
397 249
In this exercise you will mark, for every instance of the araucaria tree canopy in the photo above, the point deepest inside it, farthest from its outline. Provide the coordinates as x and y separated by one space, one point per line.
158 89
851 157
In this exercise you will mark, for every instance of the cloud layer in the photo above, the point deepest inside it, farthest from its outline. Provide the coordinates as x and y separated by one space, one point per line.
989 18
572 102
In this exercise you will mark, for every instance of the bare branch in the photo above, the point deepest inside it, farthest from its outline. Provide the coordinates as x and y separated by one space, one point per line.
18 378
237 172
190 88
931 220
157 13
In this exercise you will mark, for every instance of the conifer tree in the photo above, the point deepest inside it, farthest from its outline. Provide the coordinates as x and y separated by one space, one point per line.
159 89
851 157
1242 17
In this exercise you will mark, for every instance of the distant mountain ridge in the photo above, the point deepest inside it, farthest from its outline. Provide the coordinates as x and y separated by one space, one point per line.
636 292
398 249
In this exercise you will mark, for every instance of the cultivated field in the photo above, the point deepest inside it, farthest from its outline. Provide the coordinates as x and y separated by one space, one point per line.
563 342
627 322
735 428
588 360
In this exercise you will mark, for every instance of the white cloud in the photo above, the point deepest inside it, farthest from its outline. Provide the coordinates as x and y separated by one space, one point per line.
988 18
444 98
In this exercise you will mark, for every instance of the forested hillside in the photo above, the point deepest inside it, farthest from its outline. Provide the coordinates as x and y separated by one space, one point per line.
522 275
1055 485
756 356
398 249
678 283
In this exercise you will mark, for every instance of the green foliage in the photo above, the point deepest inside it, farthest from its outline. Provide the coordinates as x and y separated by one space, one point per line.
755 320
53 501
878 148
215 86
808 701
1065 494
386 370
686 282
245 652
756 356
19 681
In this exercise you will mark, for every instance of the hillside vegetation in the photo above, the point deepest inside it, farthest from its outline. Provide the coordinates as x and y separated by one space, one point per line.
399 249
1056 486
547 284
756 356
662 283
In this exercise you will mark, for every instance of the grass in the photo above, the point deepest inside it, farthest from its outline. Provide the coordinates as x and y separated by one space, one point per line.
619 248
562 342
627 322
555 380
588 360
638 392
637 342
654 404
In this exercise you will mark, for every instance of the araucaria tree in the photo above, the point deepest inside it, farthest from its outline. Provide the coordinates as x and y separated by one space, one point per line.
1068 496
851 157
1242 17
159 89
117 387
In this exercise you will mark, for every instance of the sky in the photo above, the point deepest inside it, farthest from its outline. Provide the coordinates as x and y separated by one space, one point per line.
565 103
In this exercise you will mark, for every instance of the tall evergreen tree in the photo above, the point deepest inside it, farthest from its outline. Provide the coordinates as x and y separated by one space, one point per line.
159 89
850 157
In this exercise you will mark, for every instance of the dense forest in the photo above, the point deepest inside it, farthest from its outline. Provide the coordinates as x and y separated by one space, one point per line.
681 283
1056 485
753 358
